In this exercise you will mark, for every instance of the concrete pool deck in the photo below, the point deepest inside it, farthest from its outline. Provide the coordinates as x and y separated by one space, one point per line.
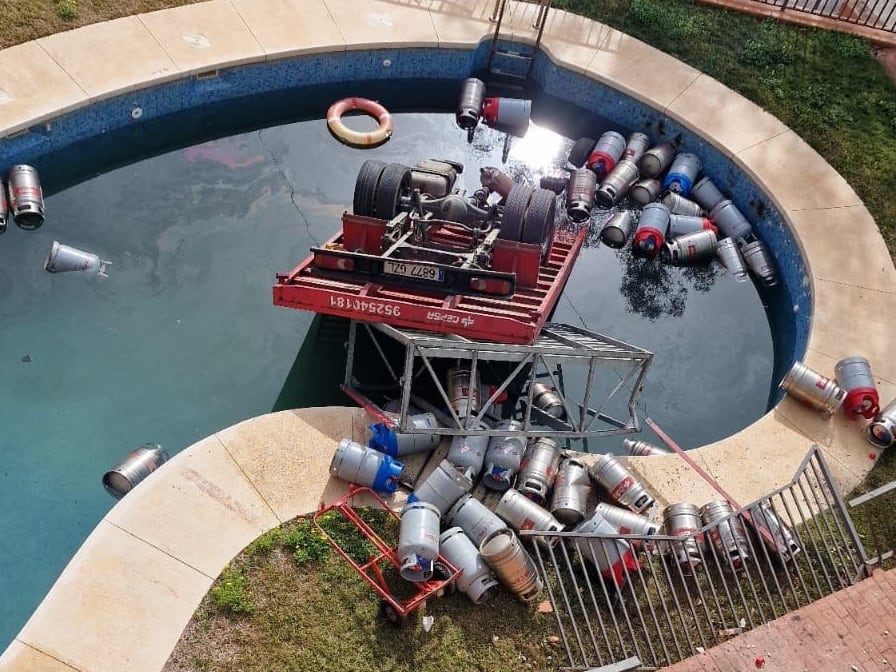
125 597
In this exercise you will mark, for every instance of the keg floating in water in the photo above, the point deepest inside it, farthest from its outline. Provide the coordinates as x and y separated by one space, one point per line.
881 433
418 541
760 263
679 205
510 115
679 225
358 464
606 153
812 388
646 191
26 197
139 464
476 580
615 232
469 107
637 144
731 258
617 183
650 234
854 375
682 173
706 193
63 259
691 248
730 220
656 159
580 195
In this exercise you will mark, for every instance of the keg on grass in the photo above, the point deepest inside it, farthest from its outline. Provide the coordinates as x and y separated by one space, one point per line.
679 225
4 207
730 220
443 487
418 541
683 520
645 191
139 464
26 197
730 257
727 534
812 388
881 433
619 483
539 468
580 195
548 400
638 448
476 520
854 375
617 229
706 193
506 556
508 114
476 579
397 444
469 106
468 452
650 234
773 533
625 521
358 464
682 173
521 513
606 153
679 205
613 558
691 248
64 259
569 499
504 456
760 263
463 391
617 183
656 159
637 144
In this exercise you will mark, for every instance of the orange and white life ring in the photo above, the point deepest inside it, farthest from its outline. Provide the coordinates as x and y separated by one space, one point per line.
358 138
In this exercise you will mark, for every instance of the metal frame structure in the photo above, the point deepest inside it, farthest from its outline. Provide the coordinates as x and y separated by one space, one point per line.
557 346
663 613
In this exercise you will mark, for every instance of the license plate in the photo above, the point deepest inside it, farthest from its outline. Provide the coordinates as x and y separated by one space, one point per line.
417 271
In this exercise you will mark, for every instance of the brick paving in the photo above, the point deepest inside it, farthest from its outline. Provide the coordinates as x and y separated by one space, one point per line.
853 630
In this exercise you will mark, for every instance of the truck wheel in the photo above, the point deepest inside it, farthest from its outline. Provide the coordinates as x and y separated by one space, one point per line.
581 150
395 182
365 187
540 218
515 212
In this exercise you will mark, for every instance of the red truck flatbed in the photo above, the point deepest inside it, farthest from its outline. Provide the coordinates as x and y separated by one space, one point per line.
516 319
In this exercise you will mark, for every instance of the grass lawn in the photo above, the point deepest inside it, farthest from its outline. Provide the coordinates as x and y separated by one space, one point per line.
282 605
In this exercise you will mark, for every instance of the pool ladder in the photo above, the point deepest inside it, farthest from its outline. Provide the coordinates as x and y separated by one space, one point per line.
512 63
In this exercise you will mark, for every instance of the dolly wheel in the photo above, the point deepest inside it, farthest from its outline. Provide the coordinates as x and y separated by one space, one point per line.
440 572
392 615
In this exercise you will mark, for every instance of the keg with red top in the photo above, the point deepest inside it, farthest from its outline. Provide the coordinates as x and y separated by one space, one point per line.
606 153
650 234
854 375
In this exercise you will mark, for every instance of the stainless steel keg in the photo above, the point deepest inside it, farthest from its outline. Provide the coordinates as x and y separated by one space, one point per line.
619 483
812 388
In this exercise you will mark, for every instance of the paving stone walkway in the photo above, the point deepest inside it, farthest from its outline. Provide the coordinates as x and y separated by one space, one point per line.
853 630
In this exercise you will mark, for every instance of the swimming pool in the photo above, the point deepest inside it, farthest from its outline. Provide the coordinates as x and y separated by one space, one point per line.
72 386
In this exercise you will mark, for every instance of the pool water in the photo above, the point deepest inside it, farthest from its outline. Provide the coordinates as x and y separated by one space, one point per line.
182 338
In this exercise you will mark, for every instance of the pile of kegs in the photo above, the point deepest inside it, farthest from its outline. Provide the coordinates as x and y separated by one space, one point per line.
674 212
509 115
853 389
714 532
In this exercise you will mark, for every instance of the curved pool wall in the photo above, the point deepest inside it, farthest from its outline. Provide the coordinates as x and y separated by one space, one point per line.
214 102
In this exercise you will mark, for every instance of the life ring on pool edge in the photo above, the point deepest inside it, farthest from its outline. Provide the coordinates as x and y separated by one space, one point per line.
358 138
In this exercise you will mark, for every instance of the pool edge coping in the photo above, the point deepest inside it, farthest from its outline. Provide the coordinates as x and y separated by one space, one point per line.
66 631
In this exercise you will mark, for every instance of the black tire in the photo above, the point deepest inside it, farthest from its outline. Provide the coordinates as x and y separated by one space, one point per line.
395 182
391 614
514 219
365 187
540 221
440 572
581 150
